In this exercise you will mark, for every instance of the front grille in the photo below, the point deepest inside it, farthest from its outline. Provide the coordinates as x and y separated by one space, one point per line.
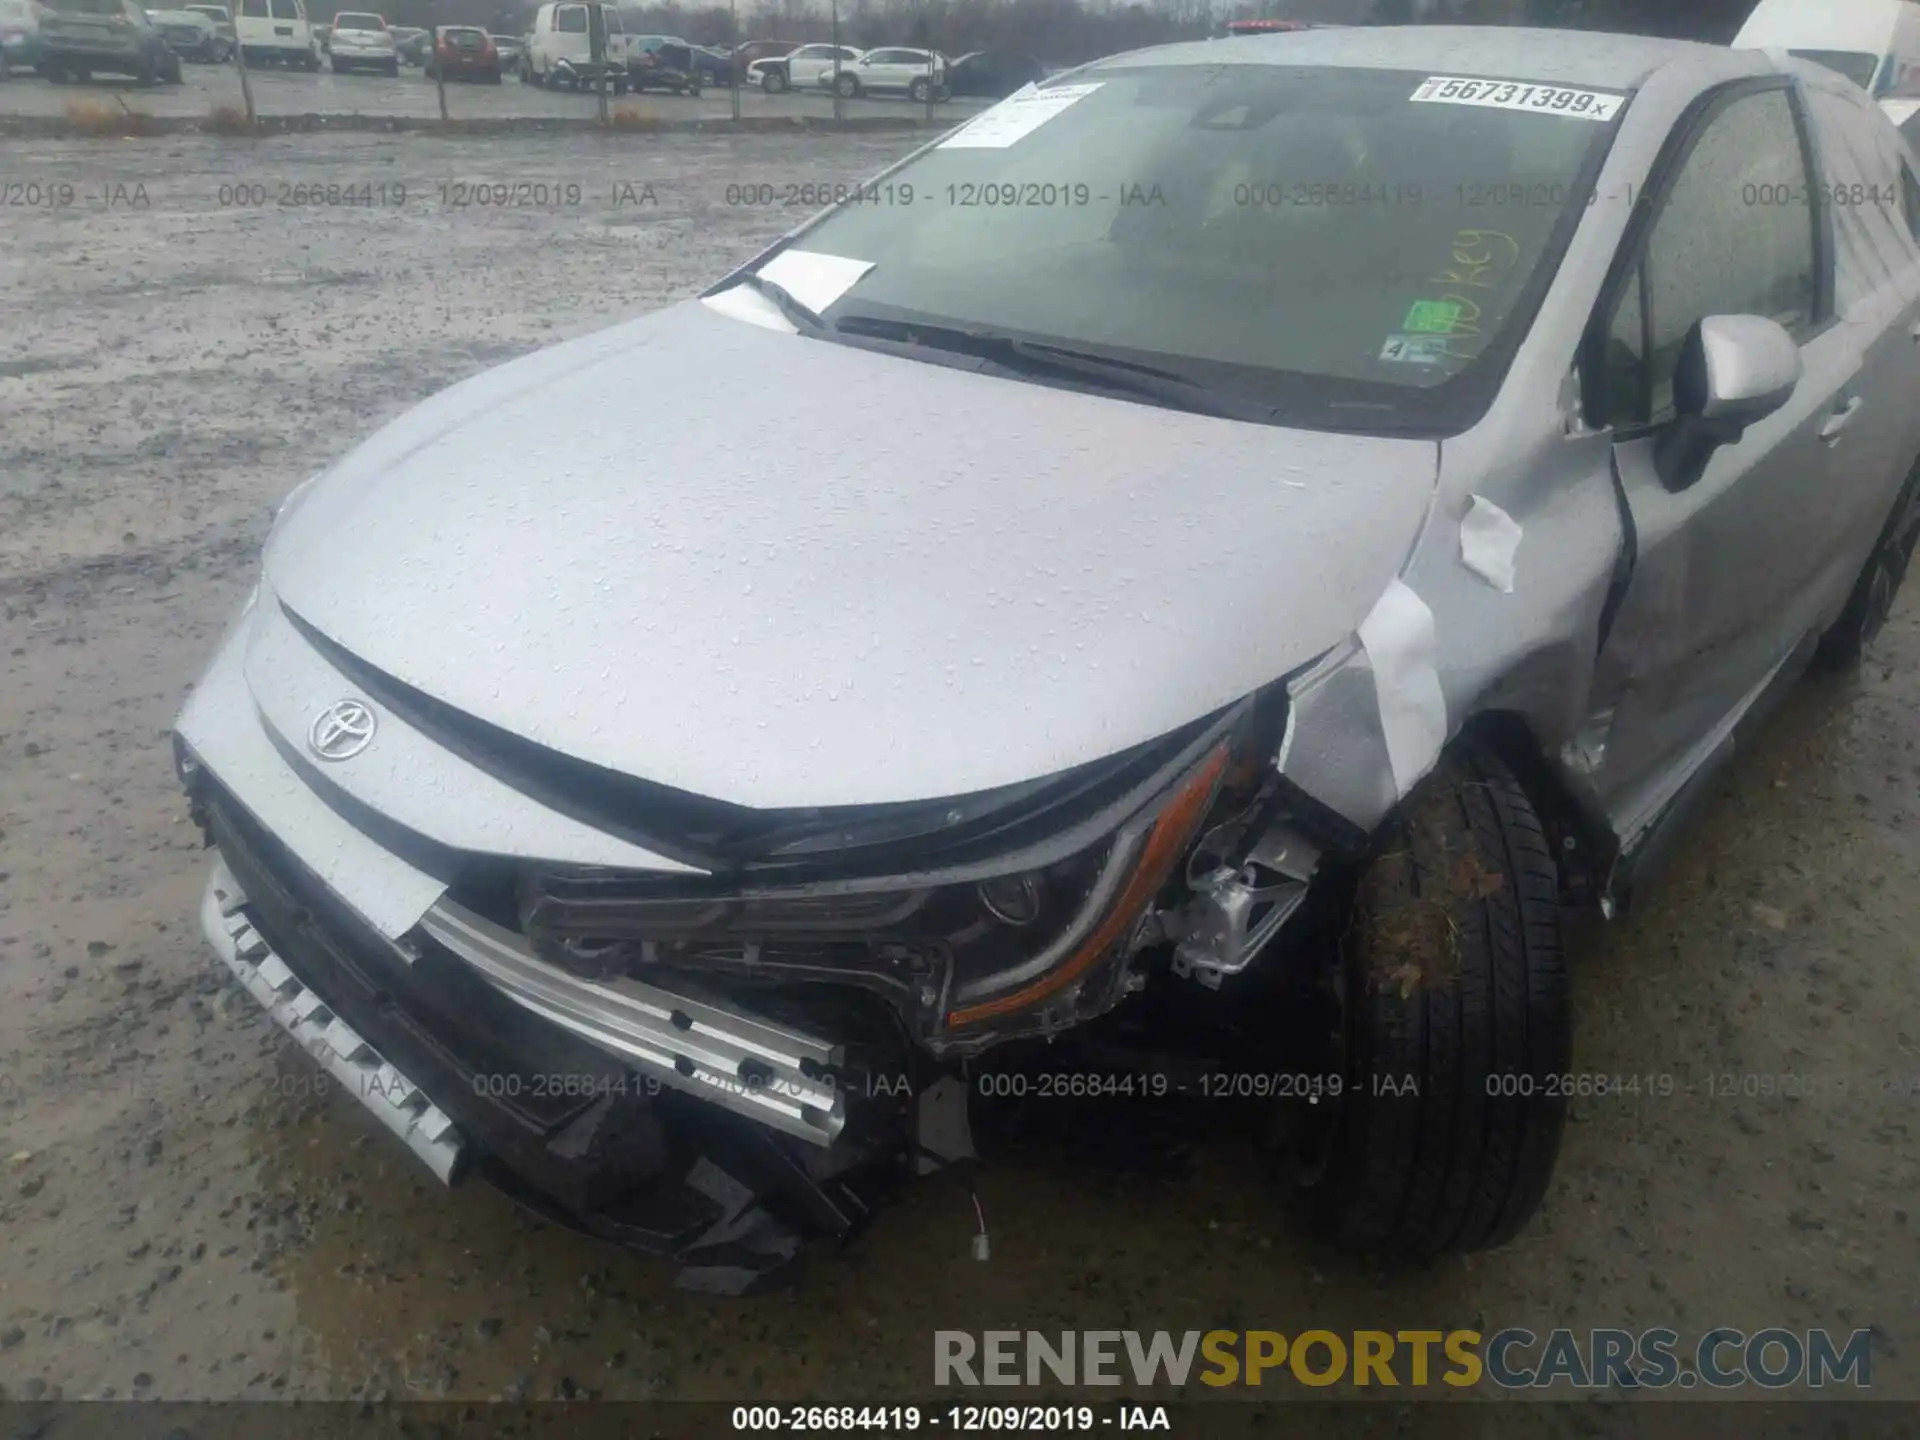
439 1022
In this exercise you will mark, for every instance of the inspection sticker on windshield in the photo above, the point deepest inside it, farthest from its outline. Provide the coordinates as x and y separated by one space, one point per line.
1019 115
1518 95
1416 349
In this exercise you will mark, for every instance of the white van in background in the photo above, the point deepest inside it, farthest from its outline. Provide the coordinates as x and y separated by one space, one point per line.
559 49
1874 43
277 30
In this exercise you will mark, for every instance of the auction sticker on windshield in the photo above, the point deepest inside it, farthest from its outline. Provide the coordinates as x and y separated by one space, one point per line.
1019 115
1518 95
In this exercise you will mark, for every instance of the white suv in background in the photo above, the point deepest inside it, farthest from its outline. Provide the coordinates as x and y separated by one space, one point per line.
919 74
362 41
801 69
277 30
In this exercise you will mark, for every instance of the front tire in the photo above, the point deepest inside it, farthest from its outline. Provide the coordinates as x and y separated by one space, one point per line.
1457 1028
1878 587
773 82
847 87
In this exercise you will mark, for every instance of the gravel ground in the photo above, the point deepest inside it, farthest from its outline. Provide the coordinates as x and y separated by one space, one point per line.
185 1213
284 92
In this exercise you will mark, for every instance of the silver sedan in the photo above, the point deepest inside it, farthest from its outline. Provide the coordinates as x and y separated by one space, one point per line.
1323 508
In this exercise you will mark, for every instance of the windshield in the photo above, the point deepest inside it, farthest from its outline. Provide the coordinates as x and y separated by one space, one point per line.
1312 239
1855 65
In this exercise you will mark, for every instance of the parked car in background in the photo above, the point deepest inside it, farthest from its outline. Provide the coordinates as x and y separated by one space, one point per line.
801 68
19 34
748 51
1241 28
1874 43
511 48
661 62
992 75
222 21
714 65
190 35
463 52
361 41
410 43
560 46
277 32
81 38
917 74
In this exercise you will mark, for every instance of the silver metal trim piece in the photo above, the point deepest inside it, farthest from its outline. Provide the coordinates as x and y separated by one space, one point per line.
395 1101
749 1066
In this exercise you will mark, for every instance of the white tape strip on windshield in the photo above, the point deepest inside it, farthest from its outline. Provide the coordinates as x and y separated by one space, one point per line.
1398 637
815 279
1019 115
1518 95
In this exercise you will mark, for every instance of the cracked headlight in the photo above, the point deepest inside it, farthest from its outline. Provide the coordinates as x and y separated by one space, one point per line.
963 959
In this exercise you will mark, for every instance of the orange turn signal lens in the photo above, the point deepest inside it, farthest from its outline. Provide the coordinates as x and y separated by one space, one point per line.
1166 844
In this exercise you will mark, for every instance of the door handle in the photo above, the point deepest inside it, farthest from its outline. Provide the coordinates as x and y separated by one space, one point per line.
1841 418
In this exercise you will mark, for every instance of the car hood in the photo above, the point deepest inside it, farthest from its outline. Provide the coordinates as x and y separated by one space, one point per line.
783 572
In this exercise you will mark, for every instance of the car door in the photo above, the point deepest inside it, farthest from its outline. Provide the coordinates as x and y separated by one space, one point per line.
571 38
805 65
1868 172
1719 598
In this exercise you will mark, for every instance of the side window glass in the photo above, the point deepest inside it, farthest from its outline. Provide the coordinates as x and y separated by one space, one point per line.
1735 235
1624 365
573 20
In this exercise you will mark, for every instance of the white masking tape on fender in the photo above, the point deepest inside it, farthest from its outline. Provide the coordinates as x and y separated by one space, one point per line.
1019 115
1398 637
1489 541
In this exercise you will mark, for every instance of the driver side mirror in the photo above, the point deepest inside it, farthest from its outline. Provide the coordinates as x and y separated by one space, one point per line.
1732 372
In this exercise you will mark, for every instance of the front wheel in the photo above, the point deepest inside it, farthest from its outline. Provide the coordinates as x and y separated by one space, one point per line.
846 87
1456 1028
1874 592
773 82
920 91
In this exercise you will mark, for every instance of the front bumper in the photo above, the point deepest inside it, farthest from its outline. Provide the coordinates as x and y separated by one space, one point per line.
458 1066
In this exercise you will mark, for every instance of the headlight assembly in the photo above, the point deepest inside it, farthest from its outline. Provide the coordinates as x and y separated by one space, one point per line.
964 959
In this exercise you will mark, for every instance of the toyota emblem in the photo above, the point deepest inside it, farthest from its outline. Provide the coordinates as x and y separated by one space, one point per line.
342 730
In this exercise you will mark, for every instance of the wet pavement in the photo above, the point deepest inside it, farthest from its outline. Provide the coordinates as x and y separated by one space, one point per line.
281 92
187 1210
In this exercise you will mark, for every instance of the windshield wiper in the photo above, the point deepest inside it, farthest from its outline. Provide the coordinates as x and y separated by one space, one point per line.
798 315
1039 359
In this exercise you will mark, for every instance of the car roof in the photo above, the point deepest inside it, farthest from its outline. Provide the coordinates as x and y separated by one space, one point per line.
1553 57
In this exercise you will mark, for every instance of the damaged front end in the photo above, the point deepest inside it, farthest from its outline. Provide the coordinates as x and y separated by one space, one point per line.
712 1064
